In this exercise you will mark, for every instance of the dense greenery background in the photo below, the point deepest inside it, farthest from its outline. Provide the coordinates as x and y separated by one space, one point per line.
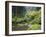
26 18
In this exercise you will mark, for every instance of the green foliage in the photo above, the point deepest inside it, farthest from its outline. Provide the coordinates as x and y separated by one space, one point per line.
31 21
35 16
